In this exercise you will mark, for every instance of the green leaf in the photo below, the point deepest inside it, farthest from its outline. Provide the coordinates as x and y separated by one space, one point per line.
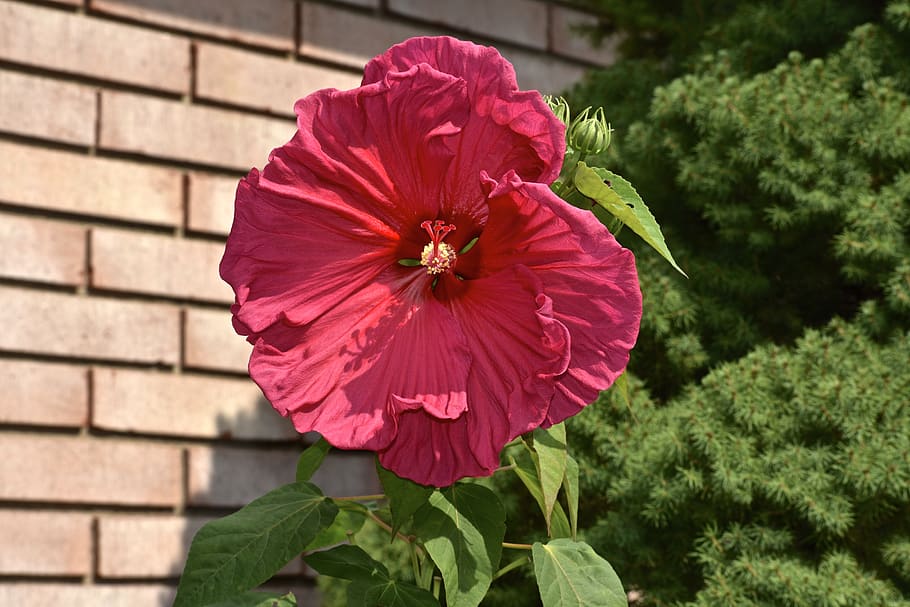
526 470
347 563
238 552
349 521
370 582
550 458
405 496
570 486
258 599
571 574
462 529
311 459
621 200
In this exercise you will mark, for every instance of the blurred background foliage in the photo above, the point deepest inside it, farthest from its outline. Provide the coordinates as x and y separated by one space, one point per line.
763 454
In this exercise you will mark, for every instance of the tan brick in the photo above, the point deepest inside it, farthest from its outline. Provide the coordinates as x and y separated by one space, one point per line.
264 22
86 46
63 181
233 476
520 21
144 546
157 264
209 342
150 546
170 129
46 108
34 594
46 394
184 405
89 327
364 36
567 41
89 470
259 81
210 207
41 250
45 543
544 73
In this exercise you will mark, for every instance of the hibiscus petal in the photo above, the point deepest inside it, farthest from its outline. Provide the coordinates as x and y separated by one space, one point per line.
507 129
382 148
365 165
589 276
388 348
517 350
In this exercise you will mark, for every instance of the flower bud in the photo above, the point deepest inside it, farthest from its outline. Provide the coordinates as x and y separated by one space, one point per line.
590 135
560 107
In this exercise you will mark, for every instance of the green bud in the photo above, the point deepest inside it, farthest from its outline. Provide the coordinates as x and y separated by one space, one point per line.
590 134
560 107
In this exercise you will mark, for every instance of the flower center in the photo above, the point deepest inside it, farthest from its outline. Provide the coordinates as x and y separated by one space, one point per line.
437 256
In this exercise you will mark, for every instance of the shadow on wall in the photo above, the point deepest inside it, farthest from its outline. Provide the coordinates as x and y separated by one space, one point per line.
225 476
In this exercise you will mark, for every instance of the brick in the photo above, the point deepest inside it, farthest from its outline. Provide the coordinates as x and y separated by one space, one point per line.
364 36
544 73
48 109
89 327
77 44
567 41
75 183
45 543
264 22
184 405
210 205
232 476
209 342
144 546
179 131
520 21
36 594
89 470
46 394
151 546
157 264
41 250
261 82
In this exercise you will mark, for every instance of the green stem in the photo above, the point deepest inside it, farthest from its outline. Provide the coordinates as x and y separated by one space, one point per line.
513 565
516 546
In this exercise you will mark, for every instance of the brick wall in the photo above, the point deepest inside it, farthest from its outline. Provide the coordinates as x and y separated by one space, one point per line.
126 417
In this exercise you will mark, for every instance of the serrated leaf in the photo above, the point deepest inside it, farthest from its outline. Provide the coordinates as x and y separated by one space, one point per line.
371 585
405 496
239 552
258 599
526 471
571 574
462 529
311 458
550 459
621 200
570 486
348 521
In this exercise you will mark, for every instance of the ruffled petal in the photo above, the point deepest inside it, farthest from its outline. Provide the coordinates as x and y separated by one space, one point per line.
279 265
591 279
507 129
388 348
517 349
364 166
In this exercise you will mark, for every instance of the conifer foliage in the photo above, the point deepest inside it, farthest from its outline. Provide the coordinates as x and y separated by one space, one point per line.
762 453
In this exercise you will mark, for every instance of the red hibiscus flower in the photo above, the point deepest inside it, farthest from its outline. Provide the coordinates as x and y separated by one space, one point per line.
410 283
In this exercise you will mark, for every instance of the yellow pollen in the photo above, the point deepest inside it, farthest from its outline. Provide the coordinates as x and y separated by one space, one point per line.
437 258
